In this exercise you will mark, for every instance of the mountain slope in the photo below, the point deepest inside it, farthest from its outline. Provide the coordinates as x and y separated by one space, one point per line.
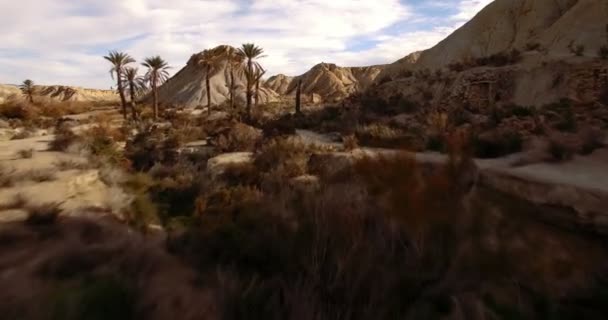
549 26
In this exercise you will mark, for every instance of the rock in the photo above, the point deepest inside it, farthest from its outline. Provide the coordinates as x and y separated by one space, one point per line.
4 124
218 116
216 166
331 163
404 120
13 215
305 183
7 134
196 112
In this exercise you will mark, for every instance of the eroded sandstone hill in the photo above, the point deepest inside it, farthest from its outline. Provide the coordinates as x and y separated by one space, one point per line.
187 87
554 27
61 93
328 82
524 52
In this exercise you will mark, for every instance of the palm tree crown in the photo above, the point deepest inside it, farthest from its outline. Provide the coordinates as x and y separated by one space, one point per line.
134 83
250 51
157 69
119 60
28 89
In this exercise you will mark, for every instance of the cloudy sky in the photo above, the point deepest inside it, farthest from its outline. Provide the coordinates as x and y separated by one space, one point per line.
63 41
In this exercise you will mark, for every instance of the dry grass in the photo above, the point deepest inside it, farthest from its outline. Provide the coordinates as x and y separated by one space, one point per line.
25 153
240 137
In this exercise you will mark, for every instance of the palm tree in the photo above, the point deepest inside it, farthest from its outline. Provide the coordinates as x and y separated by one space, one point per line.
119 61
209 61
136 86
249 52
254 78
259 73
235 63
299 97
156 75
28 90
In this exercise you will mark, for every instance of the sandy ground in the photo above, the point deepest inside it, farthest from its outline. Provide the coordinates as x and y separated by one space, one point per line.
70 185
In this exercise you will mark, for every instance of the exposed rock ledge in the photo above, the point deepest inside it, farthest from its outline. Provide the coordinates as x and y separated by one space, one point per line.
573 194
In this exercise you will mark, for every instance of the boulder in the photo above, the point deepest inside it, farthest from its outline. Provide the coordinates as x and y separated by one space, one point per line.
305 183
218 165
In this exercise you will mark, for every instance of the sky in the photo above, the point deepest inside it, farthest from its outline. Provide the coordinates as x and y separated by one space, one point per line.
63 41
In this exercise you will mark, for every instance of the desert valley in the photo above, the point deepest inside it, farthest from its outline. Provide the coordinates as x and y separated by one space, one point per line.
465 181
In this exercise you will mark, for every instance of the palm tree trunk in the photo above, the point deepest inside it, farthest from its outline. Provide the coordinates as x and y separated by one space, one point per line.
155 97
257 93
249 85
132 91
298 97
231 88
31 97
121 92
208 87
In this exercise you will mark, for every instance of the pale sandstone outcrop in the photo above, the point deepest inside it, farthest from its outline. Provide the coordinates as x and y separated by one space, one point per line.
187 88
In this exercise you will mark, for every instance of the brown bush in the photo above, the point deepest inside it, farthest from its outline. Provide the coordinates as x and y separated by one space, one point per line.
19 109
43 215
562 148
58 109
100 141
240 137
592 139
64 138
25 153
350 142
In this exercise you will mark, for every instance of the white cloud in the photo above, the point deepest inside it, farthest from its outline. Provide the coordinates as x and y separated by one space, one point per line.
61 41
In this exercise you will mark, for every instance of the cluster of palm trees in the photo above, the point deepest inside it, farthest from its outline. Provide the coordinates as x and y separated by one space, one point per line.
241 61
126 76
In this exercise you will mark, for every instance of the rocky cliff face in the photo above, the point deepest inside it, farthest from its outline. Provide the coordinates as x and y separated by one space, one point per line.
554 27
525 52
187 88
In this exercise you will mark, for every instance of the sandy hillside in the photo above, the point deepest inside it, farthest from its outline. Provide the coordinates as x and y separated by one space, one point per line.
550 26
61 93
